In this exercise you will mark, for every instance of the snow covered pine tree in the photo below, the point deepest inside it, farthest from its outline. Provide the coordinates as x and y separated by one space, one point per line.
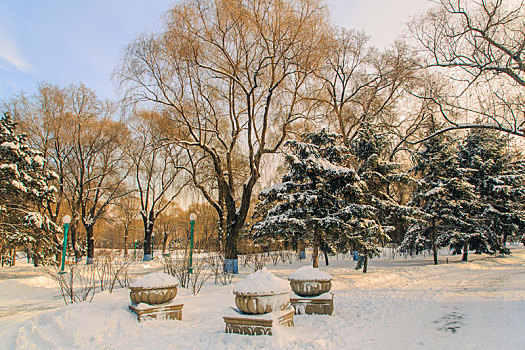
370 150
319 201
498 176
446 197
24 189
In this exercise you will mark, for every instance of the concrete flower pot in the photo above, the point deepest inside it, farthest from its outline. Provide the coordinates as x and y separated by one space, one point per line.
262 292
308 281
310 288
152 296
261 304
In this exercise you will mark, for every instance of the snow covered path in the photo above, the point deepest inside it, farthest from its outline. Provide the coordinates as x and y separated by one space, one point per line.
399 304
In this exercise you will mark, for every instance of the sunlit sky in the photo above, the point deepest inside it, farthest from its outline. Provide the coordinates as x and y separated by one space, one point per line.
65 42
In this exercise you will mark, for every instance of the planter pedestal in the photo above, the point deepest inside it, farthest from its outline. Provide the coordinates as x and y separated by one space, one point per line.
318 305
238 322
167 311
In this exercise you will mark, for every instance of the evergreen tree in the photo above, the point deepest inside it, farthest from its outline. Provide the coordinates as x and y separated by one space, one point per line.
24 190
444 194
370 154
498 177
320 201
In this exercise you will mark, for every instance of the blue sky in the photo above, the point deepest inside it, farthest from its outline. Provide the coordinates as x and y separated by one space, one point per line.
72 41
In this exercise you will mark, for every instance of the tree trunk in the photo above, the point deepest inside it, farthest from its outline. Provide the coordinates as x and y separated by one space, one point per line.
465 252
504 243
148 231
434 244
165 242
365 265
435 251
13 258
231 249
90 245
315 255
74 237
326 259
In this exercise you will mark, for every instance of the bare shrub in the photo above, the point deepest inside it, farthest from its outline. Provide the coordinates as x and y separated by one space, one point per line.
178 265
259 260
215 263
111 268
80 282
199 276
77 284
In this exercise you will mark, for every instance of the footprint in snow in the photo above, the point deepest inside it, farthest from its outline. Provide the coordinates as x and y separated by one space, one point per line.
450 322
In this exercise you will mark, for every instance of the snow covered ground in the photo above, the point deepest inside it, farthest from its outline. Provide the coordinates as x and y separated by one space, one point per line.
399 304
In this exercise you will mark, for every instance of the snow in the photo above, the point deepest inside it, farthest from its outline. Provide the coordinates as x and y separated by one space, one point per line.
262 282
13 167
276 187
19 185
155 280
309 273
326 165
10 145
400 304
36 218
39 160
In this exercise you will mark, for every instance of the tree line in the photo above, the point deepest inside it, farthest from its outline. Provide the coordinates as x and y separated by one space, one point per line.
212 99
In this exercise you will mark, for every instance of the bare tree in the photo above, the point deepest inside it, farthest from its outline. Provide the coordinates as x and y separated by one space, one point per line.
233 77
128 210
158 171
96 169
478 46
361 83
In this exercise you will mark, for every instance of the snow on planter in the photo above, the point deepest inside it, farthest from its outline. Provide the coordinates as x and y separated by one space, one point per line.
154 288
309 273
262 292
154 280
309 281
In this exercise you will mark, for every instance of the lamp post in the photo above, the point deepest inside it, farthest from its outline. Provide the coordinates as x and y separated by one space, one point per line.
192 223
65 220
135 252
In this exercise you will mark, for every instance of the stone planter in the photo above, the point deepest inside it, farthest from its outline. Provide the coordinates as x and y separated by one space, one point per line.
261 304
152 296
310 288
308 281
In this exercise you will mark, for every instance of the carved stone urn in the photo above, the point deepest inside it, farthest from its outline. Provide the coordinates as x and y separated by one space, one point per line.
155 288
308 281
262 292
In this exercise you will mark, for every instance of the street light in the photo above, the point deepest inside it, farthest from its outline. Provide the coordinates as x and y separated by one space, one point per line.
135 252
66 220
192 223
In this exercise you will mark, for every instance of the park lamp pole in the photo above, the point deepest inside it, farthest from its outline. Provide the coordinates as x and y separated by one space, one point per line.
192 223
65 220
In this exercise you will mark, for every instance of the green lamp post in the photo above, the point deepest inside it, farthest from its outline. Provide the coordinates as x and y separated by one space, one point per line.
192 223
135 252
66 220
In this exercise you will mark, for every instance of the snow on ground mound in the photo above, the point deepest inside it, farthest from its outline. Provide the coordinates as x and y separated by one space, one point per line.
262 282
308 273
154 280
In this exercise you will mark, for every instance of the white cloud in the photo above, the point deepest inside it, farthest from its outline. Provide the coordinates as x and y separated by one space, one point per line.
9 53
